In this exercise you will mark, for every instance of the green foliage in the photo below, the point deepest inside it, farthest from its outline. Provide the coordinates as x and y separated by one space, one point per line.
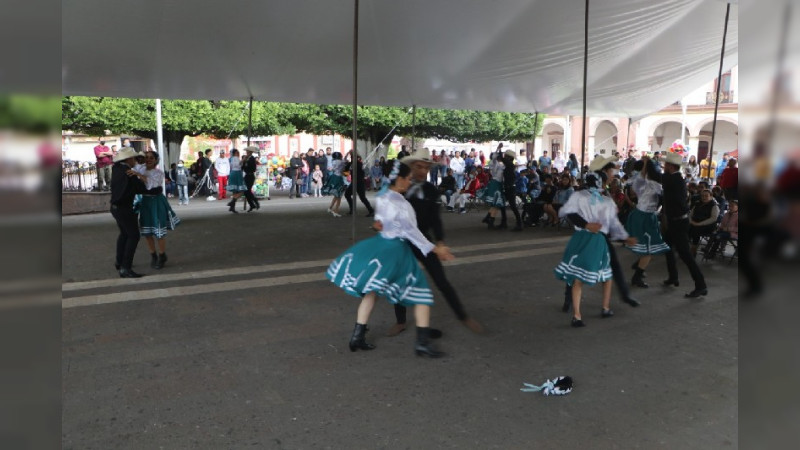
36 114
222 119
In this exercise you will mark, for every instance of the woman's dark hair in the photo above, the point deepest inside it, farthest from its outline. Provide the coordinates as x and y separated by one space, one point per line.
573 157
652 172
155 155
336 155
638 165
234 152
610 165
402 171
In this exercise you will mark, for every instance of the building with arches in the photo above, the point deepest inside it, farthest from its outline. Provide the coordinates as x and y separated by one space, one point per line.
690 119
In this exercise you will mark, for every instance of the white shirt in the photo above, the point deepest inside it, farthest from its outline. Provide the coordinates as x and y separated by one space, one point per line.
647 191
496 168
155 178
595 208
457 164
223 166
559 163
397 216
522 162
235 163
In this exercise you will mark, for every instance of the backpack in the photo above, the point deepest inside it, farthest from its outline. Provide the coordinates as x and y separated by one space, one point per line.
305 167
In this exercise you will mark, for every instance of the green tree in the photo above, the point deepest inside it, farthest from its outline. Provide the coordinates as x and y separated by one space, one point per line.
222 119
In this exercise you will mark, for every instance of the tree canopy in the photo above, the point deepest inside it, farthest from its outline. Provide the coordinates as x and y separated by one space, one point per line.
221 119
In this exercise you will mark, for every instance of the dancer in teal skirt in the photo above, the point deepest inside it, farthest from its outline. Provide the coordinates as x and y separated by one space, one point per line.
586 259
385 265
156 217
643 221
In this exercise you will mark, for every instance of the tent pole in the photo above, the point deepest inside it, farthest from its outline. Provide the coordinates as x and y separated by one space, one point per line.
159 144
628 138
354 156
585 72
413 127
250 122
533 136
719 87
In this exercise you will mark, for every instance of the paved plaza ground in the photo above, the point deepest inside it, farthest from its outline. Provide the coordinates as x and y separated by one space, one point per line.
240 342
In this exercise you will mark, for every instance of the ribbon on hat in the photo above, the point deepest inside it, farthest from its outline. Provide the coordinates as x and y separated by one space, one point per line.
556 386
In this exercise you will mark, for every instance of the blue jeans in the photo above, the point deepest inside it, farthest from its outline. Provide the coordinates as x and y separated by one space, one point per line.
459 180
183 193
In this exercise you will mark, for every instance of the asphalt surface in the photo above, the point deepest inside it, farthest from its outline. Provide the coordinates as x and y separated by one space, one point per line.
240 342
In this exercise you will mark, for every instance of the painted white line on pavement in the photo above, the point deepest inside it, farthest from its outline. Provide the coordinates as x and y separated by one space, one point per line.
198 275
212 287
203 274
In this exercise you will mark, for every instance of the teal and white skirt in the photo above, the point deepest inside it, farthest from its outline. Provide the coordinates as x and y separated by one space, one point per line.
585 258
334 186
646 229
386 267
492 194
156 216
236 182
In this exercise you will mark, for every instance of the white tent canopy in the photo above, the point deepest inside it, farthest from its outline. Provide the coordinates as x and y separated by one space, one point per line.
499 55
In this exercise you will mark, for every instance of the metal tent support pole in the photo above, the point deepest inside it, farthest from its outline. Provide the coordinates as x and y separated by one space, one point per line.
159 144
250 122
354 157
719 87
533 136
628 139
413 126
585 73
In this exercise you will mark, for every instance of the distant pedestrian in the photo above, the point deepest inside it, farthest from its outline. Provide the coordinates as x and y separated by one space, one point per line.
223 168
182 181
104 157
236 184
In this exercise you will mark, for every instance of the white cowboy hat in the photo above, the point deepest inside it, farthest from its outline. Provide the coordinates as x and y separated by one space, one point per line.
125 153
673 158
601 161
511 154
422 155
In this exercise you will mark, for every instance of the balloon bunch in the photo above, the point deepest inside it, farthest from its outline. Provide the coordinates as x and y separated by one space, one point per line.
679 148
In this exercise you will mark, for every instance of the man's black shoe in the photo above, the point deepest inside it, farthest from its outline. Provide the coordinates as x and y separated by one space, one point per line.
127 273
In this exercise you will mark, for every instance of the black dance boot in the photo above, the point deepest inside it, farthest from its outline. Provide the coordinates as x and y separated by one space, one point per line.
154 260
232 206
162 258
423 346
638 278
357 341
490 222
487 218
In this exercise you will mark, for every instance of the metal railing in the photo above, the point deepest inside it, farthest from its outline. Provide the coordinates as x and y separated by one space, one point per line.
78 176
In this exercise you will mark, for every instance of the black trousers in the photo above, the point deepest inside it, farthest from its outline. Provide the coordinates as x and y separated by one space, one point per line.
128 237
616 270
348 195
677 237
511 198
434 268
249 180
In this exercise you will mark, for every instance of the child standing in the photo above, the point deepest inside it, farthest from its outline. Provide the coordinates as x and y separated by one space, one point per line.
182 181
316 181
